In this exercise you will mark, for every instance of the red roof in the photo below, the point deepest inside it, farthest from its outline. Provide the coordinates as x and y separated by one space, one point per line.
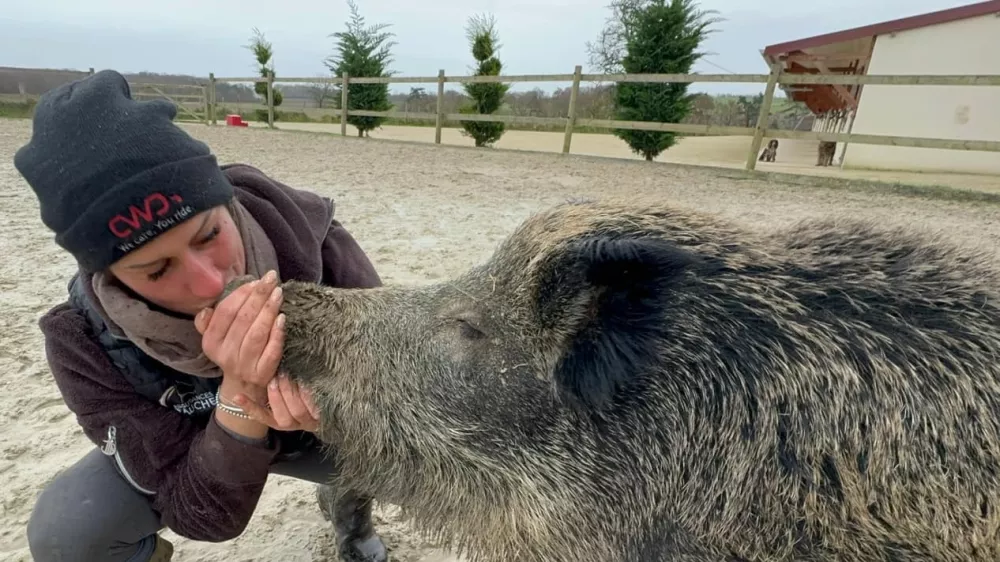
848 52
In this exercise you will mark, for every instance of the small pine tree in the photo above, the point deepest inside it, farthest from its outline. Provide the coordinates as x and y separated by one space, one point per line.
663 39
262 51
363 52
487 97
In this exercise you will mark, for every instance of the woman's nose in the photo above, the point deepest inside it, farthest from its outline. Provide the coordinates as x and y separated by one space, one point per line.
204 279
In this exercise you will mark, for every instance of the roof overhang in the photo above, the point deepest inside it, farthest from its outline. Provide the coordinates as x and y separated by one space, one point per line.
849 52
848 57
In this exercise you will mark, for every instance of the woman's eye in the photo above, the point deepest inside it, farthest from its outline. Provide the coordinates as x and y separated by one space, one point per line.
469 331
211 235
158 273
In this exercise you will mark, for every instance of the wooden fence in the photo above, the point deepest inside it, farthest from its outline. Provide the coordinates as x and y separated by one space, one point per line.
757 133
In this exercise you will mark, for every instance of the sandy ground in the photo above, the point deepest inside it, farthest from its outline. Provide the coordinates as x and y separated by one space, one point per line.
422 213
794 156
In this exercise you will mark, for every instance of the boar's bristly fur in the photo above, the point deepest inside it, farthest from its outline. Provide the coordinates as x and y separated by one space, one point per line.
640 382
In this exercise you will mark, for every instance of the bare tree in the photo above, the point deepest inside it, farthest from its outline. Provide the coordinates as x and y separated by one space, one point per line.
606 53
322 92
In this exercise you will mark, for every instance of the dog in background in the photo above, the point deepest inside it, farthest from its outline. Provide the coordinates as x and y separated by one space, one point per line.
769 153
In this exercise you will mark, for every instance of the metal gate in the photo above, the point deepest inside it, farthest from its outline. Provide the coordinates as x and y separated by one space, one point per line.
190 99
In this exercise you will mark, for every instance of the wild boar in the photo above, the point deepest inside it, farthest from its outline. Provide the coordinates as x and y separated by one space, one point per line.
643 382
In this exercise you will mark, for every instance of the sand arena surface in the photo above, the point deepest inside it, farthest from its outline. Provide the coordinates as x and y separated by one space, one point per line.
422 213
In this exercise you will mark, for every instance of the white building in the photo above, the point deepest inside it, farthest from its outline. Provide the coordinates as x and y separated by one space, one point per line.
963 40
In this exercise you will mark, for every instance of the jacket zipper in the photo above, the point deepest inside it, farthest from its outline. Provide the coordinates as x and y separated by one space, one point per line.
110 449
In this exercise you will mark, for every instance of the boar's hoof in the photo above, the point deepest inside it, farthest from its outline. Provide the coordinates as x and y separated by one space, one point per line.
351 518
371 549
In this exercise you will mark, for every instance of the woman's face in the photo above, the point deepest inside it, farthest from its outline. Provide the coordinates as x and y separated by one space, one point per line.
186 268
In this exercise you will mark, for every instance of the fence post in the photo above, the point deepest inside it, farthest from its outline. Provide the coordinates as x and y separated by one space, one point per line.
211 98
270 100
571 116
345 78
206 104
764 116
850 127
440 108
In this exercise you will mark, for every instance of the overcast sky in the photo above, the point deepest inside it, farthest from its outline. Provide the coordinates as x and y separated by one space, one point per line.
537 36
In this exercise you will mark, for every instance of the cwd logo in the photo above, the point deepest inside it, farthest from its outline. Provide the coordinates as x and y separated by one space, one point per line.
155 203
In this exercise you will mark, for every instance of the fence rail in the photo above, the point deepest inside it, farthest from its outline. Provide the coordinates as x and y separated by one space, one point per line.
830 79
757 133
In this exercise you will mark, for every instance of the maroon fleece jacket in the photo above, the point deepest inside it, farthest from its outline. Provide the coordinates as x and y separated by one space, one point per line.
206 483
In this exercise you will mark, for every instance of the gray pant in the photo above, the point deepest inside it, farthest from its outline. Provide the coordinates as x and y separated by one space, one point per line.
89 512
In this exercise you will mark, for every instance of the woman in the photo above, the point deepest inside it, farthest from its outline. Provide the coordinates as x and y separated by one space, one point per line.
182 399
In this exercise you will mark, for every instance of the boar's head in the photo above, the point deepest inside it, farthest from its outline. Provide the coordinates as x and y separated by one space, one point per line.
567 318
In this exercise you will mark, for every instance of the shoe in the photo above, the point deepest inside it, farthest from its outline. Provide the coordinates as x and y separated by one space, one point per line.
163 550
351 516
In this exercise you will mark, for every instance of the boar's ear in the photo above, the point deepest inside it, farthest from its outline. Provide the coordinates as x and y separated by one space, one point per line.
608 295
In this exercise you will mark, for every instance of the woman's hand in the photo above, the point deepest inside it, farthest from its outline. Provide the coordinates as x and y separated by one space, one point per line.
244 335
291 408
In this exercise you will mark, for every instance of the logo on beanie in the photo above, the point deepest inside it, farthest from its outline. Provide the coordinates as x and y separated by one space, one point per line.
152 218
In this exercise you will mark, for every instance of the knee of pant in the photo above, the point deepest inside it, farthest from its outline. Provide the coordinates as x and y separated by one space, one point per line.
66 524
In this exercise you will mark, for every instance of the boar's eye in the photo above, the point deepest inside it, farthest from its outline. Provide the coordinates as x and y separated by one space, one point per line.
468 330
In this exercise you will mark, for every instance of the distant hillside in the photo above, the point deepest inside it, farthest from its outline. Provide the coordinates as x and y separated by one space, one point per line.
32 82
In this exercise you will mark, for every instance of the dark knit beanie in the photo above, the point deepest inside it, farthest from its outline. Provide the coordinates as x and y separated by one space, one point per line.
112 173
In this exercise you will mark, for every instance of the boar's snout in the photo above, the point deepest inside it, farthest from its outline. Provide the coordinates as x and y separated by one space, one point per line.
232 286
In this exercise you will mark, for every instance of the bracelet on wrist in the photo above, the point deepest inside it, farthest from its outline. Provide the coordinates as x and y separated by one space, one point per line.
231 410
